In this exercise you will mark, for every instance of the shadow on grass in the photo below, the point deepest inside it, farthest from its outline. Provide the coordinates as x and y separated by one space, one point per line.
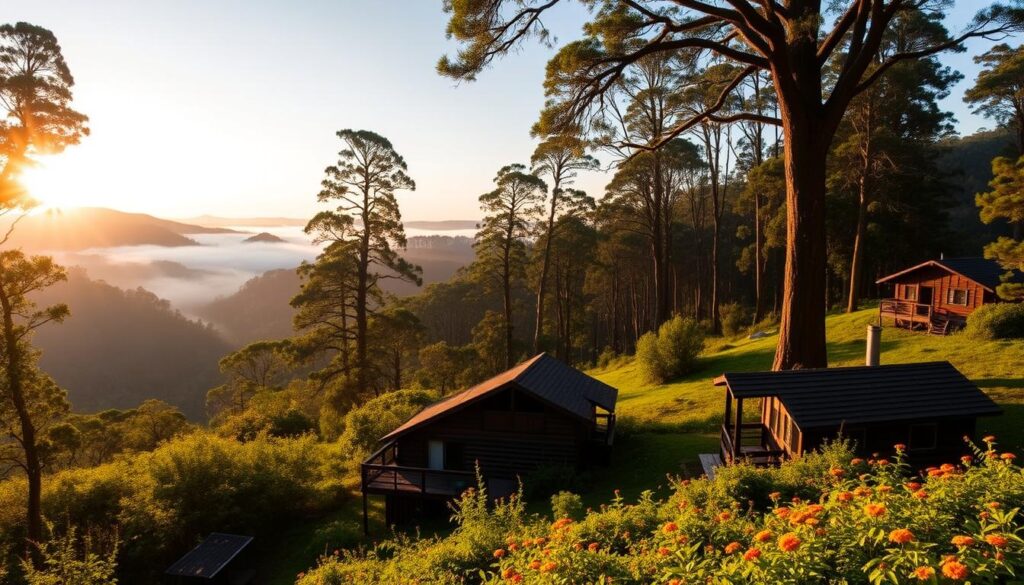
1000 382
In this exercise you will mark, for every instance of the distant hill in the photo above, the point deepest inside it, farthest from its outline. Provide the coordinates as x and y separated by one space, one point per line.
264 237
260 309
95 227
969 160
448 224
120 347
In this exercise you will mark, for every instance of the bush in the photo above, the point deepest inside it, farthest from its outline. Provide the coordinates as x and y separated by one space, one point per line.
671 352
824 518
736 318
996 321
366 424
607 357
566 505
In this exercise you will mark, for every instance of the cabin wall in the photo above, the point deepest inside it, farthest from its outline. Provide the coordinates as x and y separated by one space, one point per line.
507 436
927 440
782 430
909 287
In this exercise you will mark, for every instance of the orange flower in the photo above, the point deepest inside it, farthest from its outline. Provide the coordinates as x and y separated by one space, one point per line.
961 540
1007 456
752 554
540 540
883 462
923 573
912 485
508 573
513 547
947 467
884 489
534 564
664 551
723 516
732 547
669 527
499 553
901 536
548 567
844 496
561 523
954 570
874 510
789 542
996 540
921 495
989 439
966 459
782 512
774 496
517 578
837 472
763 536
593 547
862 491
675 582
993 505
899 447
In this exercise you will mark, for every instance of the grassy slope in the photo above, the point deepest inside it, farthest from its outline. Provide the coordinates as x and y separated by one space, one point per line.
665 426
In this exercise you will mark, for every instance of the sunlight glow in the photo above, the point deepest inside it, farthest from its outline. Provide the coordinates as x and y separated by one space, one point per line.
49 186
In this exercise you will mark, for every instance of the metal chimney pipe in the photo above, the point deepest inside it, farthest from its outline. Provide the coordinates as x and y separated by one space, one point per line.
874 346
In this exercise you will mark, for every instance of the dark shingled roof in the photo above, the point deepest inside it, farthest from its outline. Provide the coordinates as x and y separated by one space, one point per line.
862 394
987 273
210 557
543 376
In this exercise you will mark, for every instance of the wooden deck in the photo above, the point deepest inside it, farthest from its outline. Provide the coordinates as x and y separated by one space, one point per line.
709 462
918 316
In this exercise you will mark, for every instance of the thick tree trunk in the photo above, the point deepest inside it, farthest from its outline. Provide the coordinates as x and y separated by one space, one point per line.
33 465
802 330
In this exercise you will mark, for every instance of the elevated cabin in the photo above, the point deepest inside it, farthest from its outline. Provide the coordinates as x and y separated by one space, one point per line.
929 407
938 295
541 413
219 559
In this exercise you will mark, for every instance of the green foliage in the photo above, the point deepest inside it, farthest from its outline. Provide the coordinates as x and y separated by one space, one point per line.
367 423
1006 201
161 502
736 319
69 560
996 321
606 357
672 352
824 518
999 88
566 505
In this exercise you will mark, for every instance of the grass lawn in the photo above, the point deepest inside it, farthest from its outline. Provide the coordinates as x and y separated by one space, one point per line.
662 428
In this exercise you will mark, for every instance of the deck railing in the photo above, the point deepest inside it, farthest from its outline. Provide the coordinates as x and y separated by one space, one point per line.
754 444
381 474
902 310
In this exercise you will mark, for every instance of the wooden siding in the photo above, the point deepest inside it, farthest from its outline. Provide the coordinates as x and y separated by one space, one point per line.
942 282
505 443
880 438
778 424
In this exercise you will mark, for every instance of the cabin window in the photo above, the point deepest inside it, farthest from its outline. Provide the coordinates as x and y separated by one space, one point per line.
956 296
910 292
923 437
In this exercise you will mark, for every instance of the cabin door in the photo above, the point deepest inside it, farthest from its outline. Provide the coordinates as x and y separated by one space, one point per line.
924 296
435 454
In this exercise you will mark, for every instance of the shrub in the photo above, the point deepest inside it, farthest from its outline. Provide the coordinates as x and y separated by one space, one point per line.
827 517
607 357
566 505
69 560
996 321
671 352
736 318
366 424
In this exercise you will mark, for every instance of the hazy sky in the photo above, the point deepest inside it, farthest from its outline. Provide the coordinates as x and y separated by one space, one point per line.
229 107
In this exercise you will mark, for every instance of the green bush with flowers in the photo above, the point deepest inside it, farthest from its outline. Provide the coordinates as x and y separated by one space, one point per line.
829 517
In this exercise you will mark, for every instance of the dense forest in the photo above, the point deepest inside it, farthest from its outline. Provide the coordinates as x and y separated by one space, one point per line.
765 166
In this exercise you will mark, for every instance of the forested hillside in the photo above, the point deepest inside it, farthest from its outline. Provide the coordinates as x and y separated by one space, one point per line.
121 347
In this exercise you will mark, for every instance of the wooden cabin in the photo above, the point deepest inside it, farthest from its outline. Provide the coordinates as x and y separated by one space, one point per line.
938 295
929 407
540 413
218 559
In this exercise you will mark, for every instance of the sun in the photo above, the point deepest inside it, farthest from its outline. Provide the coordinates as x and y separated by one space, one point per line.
49 186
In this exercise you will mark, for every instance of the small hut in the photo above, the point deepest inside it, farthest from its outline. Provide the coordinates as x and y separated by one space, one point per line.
929 407
541 413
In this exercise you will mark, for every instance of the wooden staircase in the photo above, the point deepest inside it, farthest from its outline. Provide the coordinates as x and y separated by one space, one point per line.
938 326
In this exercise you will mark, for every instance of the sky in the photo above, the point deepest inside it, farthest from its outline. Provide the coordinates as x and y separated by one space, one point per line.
229 107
